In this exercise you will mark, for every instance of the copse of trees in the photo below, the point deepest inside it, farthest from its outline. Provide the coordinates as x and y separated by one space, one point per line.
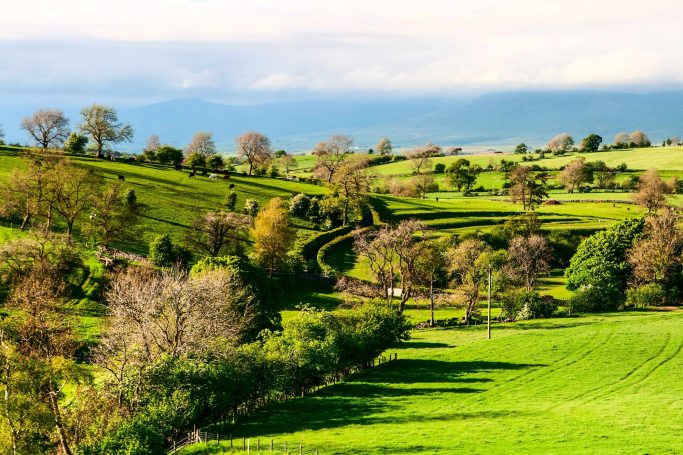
636 139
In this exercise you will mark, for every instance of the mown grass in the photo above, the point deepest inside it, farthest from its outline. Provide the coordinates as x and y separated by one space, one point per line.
599 384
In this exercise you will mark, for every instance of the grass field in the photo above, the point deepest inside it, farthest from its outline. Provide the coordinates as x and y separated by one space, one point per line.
598 384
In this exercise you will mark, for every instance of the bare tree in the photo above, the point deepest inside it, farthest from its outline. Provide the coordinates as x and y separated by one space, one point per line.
529 257
384 146
652 191
657 255
48 127
101 124
575 174
468 263
639 139
219 233
330 154
421 158
561 143
254 147
622 140
432 265
153 143
201 143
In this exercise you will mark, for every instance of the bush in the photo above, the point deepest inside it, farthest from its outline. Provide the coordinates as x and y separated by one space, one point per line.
299 205
231 201
652 294
251 207
523 304
440 168
131 197
163 253
208 264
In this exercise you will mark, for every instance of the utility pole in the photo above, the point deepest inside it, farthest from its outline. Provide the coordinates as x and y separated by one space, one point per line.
489 322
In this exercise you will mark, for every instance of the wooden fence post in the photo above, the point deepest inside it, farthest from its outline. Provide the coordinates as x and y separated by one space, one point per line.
271 445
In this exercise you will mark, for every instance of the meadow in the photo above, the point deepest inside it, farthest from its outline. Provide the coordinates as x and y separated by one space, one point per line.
596 384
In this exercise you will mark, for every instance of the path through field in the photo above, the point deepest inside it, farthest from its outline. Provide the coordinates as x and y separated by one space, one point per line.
599 384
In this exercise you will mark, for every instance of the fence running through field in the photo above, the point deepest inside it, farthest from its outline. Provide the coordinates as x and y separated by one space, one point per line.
256 446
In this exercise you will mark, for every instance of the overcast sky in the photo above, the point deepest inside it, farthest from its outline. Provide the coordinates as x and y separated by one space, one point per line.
138 51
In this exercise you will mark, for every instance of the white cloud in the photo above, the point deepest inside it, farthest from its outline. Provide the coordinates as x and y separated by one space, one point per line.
229 46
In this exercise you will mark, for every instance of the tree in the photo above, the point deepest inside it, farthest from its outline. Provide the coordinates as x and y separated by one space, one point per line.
421 158
561 143
423 184
202 143
591 143
657 256
166 154
254 147
652 191
384 146
215 162
528 187
218 233
273 235
330 155
75 143
351 183
231 201
47 127
468 263
599 266
432 266
521 149
112 217
153 143
101 124
74 190
461 175
528 257
575 174
622 140
288 162
195 160
639 139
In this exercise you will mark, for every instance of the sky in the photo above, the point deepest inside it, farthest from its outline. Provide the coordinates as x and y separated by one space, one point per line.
133 52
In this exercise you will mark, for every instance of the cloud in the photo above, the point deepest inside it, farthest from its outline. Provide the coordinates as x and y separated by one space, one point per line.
225 48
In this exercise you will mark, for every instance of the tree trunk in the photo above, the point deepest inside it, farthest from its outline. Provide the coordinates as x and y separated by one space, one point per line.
25 221
54 403
69 232
431 302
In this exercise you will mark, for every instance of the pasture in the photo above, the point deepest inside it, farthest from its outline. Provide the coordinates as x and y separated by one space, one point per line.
598 384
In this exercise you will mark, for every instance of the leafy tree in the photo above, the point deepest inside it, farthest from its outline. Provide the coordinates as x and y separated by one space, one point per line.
254 147
75 143
218 233
384 146
231 201
423 184
162 251
439 168
521 149
527 186
461 175
600 268
351 183
273 235
591 143
528 257
215 162
468 264
74 189
47 127
101 124
251 207
166 154
112 216
195 160
288 162
299 205
432 266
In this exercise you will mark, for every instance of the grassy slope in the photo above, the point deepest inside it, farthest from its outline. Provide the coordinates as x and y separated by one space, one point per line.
171 200
599 384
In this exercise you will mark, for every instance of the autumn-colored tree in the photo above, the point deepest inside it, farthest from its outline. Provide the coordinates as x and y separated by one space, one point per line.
202 143
622 140
330 155
384 146
254 148
273 235
101 124
287 162
652 191
575 174
153 143
639 139
421 158
47 127
218 233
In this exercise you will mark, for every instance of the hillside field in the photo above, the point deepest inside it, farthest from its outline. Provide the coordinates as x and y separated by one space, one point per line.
597 384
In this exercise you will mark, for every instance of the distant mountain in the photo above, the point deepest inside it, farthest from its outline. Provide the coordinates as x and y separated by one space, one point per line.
496 119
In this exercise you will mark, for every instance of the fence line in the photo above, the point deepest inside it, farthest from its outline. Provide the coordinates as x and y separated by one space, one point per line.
202 436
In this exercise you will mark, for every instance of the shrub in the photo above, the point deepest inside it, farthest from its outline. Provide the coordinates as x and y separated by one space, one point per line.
652 294
440 168
522 304
161 251
208 264
231 201
251 207
299 205
131 197
274 172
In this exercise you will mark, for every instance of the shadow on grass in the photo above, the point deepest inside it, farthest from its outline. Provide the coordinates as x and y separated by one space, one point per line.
424 345
541 325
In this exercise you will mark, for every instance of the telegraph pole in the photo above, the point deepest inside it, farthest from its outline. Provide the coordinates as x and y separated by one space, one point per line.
489 322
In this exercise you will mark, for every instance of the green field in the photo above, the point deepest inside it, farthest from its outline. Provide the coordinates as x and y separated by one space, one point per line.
599 384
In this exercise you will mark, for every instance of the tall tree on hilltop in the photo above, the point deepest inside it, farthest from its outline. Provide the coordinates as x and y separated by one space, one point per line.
255 148
101 124
47 127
